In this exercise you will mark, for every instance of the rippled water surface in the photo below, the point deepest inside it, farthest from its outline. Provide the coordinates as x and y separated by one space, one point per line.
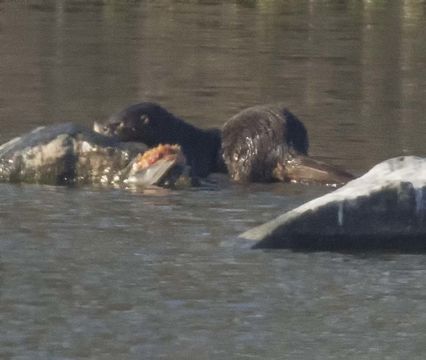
92 273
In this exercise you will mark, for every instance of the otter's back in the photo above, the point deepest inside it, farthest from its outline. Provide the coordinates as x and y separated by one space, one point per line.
254 139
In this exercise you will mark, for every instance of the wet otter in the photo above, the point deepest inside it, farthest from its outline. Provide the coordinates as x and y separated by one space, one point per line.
269 143
70 154
152 125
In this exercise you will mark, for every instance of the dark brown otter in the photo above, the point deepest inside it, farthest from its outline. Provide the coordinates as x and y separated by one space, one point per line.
153 125
269 143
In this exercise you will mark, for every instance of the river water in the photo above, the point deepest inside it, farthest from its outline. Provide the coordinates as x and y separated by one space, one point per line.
93 273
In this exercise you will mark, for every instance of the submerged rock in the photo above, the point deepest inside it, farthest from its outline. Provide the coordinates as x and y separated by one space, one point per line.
384 210
70 154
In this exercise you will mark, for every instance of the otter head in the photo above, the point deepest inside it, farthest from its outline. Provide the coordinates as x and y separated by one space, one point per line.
144 122
127 128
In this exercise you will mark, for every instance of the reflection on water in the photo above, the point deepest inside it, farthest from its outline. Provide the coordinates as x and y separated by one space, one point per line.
98 273
331 62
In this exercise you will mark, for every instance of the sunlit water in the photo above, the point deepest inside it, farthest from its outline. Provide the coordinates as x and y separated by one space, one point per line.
93 273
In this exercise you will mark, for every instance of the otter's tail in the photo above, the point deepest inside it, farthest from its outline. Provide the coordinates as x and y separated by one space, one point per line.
304 169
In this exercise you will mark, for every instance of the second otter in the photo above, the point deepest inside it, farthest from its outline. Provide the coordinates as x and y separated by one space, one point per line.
269 143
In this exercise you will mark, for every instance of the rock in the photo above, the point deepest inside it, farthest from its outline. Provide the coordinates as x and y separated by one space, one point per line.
64 154
69 154
383 210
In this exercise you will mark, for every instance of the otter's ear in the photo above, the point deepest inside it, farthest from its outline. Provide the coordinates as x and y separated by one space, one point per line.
145 119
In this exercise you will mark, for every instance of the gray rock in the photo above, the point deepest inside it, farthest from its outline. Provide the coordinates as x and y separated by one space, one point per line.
384 210
65 154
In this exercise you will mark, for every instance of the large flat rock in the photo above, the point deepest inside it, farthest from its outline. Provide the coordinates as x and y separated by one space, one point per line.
65 154
383 210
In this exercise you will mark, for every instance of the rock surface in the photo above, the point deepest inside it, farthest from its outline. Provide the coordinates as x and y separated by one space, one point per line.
383 210
65 154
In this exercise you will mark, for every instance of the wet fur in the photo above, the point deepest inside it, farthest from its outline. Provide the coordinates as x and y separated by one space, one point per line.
257 138
153 125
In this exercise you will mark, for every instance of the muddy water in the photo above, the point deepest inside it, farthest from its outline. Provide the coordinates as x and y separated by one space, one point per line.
109 274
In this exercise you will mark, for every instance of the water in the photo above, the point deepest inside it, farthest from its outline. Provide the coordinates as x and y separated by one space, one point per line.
94 273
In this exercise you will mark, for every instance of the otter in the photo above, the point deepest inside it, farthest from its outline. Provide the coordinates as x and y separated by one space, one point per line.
269 143
152 125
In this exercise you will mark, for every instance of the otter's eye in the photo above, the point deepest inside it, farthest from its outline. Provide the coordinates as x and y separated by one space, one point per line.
144 119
